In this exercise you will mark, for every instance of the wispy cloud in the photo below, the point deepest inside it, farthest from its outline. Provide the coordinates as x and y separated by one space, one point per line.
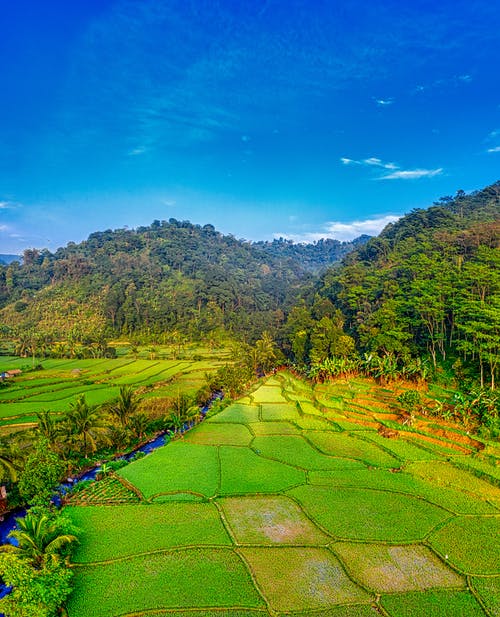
372 161
384 102
412 174
454 80
343 231
137 151
8 205
495 149
396 172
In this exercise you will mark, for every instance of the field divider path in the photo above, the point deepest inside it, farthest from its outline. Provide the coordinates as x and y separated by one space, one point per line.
479 599
258 588
157 551
196 612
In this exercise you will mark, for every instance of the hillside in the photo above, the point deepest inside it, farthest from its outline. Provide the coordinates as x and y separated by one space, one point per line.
428 287
170 276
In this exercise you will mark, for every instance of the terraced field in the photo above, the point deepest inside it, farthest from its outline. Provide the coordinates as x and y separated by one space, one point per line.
291 503
59 383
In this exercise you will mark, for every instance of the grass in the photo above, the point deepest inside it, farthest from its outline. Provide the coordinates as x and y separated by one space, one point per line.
194 578
402 482
361 514
243 471
348 446
445 474
270 520
390 569
178 467
316 423
488 590
237 412
111 532
302 578
58 384
268 394
471 544
274 428
220 434
402 449
279 411
293 450
264 509
438 603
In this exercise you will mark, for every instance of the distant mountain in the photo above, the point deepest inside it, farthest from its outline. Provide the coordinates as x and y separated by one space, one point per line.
7 259
316 256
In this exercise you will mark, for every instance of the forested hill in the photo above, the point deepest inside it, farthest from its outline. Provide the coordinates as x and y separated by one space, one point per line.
316 256
170 276
427 287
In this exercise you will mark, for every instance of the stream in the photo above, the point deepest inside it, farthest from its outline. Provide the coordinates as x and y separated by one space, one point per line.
9 520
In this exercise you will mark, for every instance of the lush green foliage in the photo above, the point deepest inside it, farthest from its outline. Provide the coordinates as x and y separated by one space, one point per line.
171 279
35 593
41 474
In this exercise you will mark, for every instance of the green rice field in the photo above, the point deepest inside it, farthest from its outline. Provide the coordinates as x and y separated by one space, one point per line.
60 382
269 508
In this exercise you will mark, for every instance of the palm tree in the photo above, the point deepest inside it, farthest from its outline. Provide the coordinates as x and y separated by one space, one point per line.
8 461
126 405
84 424
138 424
39 539
47 426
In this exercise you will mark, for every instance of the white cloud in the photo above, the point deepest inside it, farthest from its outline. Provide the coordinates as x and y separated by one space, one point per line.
347 161
4 227
384 102
378 163
5 205
137 151
371 161
412 174
495 149
343 231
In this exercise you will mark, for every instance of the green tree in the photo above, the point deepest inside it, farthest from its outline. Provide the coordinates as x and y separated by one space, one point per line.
9 461
84 424
41 474
41 539
48 427
126 405
35 592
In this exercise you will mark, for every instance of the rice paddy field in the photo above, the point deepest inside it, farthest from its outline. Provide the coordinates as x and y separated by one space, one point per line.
60 381
292 502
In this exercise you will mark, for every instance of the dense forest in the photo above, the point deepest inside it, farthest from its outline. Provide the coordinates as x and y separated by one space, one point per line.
420 298
168 280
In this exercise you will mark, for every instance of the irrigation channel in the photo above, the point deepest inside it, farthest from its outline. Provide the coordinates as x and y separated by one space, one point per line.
9 520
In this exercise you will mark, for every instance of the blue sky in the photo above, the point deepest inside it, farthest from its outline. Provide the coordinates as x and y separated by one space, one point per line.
294 118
